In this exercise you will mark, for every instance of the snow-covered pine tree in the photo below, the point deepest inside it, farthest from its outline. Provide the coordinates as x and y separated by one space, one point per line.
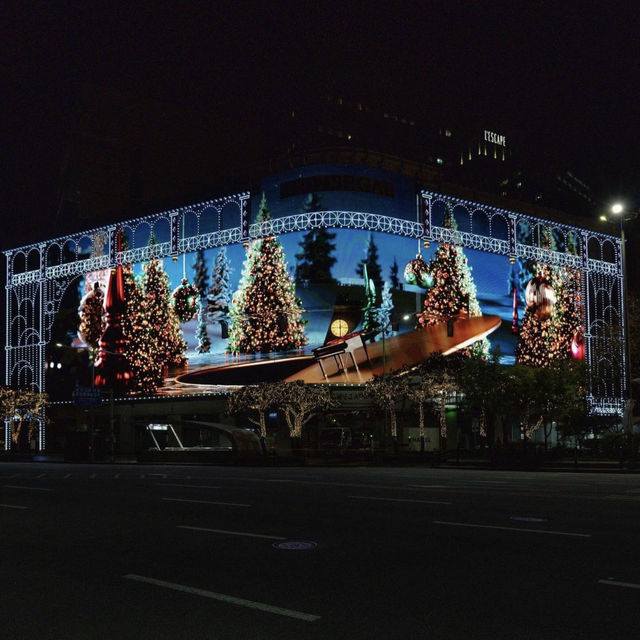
383 316
201 283
220 294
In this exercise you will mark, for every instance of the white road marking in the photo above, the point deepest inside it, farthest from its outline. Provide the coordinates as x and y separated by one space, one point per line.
488 526
429 486
616 583
92 476
68 475
229 504
189 486
42 475
117 476
12 486
398 500
13 506
233 533
307 617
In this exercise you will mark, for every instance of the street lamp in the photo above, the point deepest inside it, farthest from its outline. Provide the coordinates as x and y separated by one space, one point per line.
619 211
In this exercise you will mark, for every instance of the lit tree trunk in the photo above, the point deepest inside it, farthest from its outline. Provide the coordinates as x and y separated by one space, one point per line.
421 426
394 429
263 432
443 420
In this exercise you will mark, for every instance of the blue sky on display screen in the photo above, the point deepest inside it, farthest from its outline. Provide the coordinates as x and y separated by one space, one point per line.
490 274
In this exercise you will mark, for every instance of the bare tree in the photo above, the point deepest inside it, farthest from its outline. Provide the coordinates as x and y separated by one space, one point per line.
386 390
301 402
420 390
255 401
443 385
22 407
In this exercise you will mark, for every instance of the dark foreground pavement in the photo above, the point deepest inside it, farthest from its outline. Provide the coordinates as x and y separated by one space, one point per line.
128 551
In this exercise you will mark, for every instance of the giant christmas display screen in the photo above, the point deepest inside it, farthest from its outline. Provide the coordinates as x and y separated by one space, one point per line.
333 306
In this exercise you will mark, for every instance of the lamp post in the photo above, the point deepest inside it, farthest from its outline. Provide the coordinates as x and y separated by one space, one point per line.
619 211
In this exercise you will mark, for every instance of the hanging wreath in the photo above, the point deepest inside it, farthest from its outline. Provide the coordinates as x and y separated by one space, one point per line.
417 272
540 297
185 301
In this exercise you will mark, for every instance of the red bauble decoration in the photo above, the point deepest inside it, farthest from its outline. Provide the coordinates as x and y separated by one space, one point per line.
185 301
577 345
540 297
417 272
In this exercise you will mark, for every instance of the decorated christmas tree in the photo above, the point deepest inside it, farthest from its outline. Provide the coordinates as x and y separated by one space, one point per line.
145 364
201 284
453 292
219 295
552 322
165 337
315 259
371 260
265 313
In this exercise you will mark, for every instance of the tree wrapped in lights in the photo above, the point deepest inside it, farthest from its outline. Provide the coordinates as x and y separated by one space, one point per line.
22 407
300 402
266 314
201 284
165 336
386 390
453 292
255 401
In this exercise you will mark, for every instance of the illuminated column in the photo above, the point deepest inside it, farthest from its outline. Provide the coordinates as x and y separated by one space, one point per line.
40 355
513 221
244 216
7 352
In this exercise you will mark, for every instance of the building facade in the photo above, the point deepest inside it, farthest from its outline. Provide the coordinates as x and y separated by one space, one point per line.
347 228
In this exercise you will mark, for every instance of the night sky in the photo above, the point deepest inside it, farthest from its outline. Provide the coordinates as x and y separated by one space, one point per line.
566 73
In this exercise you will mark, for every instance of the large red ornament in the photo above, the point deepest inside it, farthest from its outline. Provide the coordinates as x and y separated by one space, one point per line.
540 297
577 345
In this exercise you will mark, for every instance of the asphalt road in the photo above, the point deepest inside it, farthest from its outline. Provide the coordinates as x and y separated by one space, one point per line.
125 551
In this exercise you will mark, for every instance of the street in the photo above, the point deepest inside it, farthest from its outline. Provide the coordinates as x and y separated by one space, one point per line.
132 551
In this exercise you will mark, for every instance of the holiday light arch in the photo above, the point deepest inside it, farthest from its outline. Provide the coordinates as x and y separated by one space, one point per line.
39 274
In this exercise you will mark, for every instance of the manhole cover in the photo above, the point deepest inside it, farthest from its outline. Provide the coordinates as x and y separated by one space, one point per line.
295 545
527 519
